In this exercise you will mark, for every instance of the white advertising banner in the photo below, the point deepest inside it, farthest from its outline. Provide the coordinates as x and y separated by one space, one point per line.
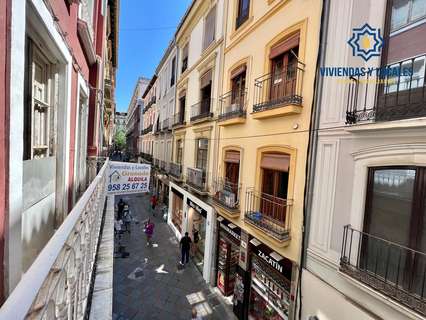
127 177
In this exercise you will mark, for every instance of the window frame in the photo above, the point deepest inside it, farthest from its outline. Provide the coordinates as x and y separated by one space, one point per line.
206 41
202 155
409 21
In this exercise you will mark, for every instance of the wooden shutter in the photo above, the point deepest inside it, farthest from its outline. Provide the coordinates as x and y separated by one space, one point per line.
285 45
275 161
209 27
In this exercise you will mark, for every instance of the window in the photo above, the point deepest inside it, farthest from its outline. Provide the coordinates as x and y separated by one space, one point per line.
202 148
232 166
284 66
395 211
82 146
39 115
206 90
182 104
407 82
185 58
209 28
405 12
238 86
172 77
243 12
179 151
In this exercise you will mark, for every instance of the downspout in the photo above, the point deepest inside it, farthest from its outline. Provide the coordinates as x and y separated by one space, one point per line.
312 145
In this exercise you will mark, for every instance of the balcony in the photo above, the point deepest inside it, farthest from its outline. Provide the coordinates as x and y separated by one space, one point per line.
147 130
197 179
62 283
165 125
178 120
147 157
269 214
164 166
156 162
232 108
227 195
175 170
201 110
184 64
279 94
385 98
396 271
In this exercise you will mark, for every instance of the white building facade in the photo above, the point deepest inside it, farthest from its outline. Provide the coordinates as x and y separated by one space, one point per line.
365 256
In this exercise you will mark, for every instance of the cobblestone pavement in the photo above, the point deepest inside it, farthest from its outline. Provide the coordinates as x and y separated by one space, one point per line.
148 284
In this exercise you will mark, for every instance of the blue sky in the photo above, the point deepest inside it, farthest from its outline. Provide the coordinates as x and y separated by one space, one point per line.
146 27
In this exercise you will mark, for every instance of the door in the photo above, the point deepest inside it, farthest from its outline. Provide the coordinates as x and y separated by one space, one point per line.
283 75
274 194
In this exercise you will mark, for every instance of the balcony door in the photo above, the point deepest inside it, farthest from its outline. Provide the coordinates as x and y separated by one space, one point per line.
395 212
232 171
275 173
238 87
283 58
206 91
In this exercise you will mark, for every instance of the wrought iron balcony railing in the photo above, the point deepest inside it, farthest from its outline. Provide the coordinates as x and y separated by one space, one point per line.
232 105
58 285
179 119
269 213
388 94
165 125
147 130
197 178
147 156
201 110
226 193
156 162
394 270
176 170
276 90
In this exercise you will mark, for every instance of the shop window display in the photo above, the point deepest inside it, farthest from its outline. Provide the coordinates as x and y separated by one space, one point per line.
198 239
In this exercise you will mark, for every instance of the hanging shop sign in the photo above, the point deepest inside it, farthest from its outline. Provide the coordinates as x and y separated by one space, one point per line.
230 228
272 258
126 177
196 207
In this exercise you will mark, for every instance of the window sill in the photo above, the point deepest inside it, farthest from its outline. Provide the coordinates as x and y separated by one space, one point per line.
232 121
279 111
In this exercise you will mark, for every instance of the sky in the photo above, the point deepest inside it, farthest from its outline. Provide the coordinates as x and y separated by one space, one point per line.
146 28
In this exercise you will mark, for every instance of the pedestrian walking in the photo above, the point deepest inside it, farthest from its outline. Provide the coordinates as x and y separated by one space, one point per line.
153 203
120 207
185 245
149 231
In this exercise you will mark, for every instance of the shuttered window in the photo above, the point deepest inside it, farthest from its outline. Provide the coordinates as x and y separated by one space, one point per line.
202 148
209 28
185 57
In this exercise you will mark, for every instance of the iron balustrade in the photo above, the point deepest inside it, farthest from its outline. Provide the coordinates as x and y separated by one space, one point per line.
226 193
156 162
201 110
392 269
147 156
197 178
176 170
387 95
275 90
269 213
232 105
58 284
147 130
165 125
178 119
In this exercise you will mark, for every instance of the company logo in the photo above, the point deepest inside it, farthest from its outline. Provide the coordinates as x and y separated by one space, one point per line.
366 42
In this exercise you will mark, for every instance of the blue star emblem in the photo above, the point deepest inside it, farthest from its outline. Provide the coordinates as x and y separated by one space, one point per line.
366 42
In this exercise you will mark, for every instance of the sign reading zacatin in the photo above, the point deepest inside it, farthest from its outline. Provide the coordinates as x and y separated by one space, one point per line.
126 177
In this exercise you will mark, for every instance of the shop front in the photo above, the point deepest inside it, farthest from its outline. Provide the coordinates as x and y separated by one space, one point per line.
197 225
175 217
228 251
270 284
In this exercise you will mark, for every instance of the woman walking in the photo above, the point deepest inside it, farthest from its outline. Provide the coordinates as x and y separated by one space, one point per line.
149 231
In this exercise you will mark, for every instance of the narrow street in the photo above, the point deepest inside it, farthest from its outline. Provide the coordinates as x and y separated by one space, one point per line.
148 284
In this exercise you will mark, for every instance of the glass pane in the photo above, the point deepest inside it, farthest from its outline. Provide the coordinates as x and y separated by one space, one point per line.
418 78
400 10
418 10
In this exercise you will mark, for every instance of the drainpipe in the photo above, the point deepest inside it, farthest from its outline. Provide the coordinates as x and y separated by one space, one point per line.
312 146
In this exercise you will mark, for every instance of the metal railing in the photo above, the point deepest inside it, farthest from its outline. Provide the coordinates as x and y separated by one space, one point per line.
165 125
226 193
269 213
147 129
394 270
175 170
178 119
58 283
388 94
233 105
201 110
147 156
275 90
156 162
196 178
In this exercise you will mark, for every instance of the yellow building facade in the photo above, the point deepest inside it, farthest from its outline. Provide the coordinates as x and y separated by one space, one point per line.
239 162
